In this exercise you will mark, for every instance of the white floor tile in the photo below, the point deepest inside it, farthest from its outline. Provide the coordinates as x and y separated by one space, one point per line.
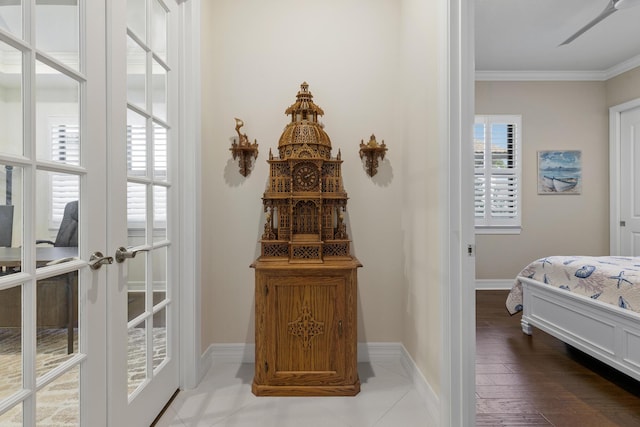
408 411
224 399
169 419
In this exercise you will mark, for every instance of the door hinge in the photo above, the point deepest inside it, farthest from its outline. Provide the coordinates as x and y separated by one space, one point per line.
266 367
471 250
623 223
266 290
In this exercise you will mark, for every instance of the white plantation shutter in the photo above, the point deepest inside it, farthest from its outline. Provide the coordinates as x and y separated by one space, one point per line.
137 167
65 148
497 173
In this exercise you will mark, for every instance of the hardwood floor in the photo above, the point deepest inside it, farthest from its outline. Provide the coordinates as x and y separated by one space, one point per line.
540 381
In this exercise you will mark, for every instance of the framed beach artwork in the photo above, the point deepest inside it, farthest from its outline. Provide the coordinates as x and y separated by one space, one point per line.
559 172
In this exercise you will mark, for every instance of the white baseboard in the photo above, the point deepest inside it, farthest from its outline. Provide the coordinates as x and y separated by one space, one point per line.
233 353
379 351
494 284
423 388
206 359
367 352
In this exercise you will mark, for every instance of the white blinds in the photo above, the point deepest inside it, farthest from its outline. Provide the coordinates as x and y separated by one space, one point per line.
497 171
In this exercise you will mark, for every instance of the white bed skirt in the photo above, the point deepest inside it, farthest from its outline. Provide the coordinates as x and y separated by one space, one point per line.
606 332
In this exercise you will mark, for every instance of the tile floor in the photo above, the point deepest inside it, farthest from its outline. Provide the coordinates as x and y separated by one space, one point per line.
223 399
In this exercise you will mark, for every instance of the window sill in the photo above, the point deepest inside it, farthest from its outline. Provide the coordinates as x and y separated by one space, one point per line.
498 230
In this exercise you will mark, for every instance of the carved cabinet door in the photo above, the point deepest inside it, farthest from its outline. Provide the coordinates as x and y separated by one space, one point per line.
307 329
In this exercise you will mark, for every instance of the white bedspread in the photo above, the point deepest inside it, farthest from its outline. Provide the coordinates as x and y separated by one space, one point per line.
613 280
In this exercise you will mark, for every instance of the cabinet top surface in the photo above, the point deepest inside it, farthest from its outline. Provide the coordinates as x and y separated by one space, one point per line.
327 264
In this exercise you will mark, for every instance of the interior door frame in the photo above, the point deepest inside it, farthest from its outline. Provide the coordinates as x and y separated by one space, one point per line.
457 290
193 364
615 143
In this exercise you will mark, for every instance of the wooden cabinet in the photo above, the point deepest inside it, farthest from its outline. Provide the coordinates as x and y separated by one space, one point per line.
306 329
306 278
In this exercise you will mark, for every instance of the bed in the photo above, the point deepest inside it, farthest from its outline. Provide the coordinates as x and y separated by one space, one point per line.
590 303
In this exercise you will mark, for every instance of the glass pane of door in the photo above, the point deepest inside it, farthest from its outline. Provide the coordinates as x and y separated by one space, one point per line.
11 17
11 119
58 31
11 369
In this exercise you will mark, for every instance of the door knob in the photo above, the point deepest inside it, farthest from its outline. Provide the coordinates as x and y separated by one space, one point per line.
123 253
97 259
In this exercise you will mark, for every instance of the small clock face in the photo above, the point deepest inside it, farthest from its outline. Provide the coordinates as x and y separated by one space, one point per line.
306 177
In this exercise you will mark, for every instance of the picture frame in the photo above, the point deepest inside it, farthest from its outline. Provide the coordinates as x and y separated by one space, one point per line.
560 172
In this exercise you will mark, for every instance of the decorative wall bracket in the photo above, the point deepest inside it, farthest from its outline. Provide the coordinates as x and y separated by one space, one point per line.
372 152
243 150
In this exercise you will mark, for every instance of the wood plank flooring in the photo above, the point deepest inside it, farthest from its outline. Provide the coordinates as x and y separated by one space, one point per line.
540 381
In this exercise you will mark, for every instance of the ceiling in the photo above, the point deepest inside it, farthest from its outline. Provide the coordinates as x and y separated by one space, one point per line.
521 38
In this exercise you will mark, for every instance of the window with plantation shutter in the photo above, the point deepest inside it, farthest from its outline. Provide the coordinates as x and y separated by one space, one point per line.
497 170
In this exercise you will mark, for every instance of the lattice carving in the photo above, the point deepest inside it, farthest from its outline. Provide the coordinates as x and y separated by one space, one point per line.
336 249
305 252
303 135
275 249
328 169
306 327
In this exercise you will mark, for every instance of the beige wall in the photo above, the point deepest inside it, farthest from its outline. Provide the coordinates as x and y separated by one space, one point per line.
555 116
255 54
421 209
623 88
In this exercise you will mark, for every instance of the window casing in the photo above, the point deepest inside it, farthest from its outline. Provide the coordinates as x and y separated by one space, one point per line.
497 152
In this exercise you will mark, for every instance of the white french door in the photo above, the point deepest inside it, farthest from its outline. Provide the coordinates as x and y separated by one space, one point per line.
87 147
143 317
52 163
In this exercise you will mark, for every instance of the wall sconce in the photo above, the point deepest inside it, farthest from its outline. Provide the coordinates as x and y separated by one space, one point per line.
243 150
372 151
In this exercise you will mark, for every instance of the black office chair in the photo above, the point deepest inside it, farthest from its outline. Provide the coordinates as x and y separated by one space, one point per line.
68 237
6 225
6 232
68 232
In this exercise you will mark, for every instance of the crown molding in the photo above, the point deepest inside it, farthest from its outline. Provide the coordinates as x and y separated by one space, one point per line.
623 67
540 76
603 75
